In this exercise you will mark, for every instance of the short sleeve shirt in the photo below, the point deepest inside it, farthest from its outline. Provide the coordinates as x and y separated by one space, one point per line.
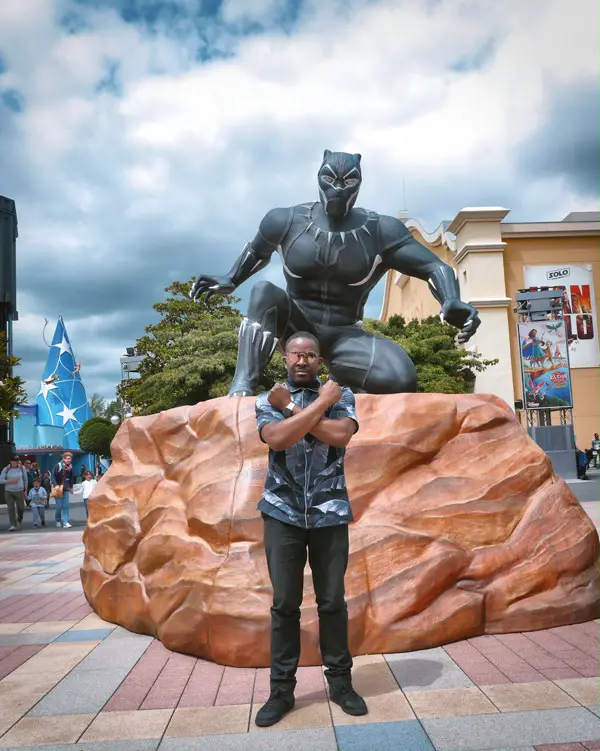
305 485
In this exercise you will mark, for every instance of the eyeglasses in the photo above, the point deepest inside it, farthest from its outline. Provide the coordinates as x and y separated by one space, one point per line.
293 357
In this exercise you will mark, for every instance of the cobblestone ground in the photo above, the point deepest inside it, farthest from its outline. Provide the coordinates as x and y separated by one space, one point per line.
69 680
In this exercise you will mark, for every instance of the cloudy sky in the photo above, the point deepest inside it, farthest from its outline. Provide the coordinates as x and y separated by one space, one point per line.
143 140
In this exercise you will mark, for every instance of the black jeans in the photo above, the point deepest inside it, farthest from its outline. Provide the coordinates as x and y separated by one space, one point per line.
286 547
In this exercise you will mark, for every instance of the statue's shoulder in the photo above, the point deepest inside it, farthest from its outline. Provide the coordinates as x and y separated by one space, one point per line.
276 223
393 232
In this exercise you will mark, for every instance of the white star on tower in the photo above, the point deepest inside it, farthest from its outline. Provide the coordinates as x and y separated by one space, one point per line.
46 387
67 414
63 346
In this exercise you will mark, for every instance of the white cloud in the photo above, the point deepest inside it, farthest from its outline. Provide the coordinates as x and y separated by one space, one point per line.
119 195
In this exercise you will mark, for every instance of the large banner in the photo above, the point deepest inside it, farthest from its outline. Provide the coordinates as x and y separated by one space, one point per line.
545 365
579 308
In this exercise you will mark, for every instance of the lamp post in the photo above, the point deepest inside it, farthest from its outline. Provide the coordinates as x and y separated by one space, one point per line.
122 414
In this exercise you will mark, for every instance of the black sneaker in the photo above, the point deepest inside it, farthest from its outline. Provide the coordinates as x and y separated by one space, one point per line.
279 703
346 697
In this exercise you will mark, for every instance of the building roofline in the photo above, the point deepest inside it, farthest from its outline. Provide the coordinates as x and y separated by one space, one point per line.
549 229
476 214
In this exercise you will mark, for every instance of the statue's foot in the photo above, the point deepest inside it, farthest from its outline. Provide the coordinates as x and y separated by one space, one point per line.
241 389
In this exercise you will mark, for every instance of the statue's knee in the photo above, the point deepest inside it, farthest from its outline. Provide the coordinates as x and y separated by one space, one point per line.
264 295
263 291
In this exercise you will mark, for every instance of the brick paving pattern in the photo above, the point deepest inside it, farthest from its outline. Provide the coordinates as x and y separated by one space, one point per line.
69 680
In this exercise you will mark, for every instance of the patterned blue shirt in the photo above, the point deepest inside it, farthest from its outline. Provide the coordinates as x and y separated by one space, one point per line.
305 484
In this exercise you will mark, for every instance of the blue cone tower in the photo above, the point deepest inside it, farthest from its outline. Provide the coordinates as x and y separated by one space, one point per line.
62 400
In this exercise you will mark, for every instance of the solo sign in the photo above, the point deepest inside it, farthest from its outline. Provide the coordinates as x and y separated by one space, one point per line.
552 276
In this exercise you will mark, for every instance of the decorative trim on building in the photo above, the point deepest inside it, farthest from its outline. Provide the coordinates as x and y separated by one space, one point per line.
478 248
549 229
490 302
439 236
476 214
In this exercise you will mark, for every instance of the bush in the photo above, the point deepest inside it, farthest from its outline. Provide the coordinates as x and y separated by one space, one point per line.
96 436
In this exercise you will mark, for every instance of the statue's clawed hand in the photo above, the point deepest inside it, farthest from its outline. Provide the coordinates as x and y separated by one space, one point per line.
207 286
461 315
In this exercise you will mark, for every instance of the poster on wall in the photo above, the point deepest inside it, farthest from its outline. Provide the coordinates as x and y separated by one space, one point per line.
579 308
545 365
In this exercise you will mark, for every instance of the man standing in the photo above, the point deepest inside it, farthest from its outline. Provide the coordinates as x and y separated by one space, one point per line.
596 451
14 477
305 506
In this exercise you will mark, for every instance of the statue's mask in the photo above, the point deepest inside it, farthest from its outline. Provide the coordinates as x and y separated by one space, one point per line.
339 181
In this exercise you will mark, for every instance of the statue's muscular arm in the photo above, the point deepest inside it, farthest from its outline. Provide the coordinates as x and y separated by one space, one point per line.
254 257
401 252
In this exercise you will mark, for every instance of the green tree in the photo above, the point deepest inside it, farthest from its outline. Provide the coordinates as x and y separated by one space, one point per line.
12 387
97 405
189 354
96 436
442 366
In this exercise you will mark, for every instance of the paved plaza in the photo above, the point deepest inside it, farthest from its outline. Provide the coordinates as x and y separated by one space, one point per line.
69 680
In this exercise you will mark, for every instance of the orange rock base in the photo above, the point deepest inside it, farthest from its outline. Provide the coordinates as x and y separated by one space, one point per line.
461 529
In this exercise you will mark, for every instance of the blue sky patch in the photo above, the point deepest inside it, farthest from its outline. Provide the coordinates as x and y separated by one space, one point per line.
12 99
477 59
110 83
72 22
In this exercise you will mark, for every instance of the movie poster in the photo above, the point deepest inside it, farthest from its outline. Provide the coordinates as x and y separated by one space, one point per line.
545 365
579 308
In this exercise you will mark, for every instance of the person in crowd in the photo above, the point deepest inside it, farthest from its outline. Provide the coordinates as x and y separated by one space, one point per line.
47 485
88 486
62 485
30 477
595 463
37 500
582 463
14 478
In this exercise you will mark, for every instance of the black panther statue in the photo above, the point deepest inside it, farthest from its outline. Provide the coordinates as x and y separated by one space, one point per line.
333 255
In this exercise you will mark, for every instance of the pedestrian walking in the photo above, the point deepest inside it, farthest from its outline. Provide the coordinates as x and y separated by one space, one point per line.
37 500
14 478
30 478
88 486
47 485
595 463
62 486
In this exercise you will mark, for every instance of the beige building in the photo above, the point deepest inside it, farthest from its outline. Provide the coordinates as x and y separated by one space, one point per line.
493 259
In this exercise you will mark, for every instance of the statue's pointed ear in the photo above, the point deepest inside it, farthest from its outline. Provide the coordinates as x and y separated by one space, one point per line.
358 157
326 155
